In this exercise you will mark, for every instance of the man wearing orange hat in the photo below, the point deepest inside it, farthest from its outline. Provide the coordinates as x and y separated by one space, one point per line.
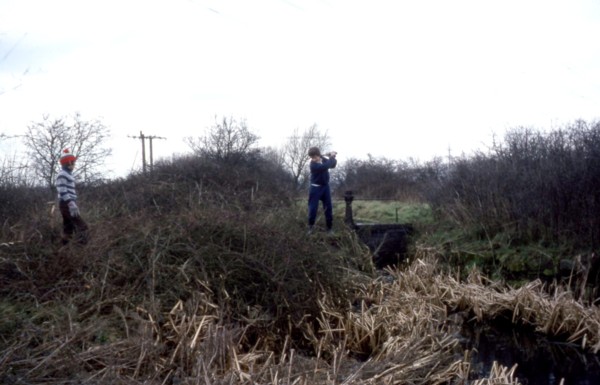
67 200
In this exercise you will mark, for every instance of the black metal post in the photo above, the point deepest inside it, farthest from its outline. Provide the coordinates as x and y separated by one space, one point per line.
349 219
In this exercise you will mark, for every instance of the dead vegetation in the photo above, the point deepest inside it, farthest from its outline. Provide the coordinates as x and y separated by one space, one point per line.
395 332
183 285
554 311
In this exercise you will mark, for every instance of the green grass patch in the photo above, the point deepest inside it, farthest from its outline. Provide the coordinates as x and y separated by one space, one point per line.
387 212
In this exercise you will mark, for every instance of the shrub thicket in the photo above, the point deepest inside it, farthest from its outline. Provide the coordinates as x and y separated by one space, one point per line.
536 186
379 178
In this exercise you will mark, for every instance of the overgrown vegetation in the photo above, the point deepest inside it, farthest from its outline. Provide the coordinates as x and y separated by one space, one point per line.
535 186
194 276
527 206
202 273
518 210
191 238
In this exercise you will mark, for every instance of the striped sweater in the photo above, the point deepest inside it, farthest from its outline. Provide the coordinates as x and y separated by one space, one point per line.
65 186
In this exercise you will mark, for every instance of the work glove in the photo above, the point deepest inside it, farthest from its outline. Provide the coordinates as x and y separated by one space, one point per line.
73 209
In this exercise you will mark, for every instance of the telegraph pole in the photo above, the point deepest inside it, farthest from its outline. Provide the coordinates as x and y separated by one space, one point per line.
143 138
151 152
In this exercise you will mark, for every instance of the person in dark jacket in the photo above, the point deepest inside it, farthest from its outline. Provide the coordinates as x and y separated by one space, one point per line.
67 200
319 187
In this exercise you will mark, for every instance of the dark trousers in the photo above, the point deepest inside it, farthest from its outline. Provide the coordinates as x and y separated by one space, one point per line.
72 225
320 194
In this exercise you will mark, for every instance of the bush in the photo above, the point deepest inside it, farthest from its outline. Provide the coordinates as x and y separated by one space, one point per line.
173 238
538 186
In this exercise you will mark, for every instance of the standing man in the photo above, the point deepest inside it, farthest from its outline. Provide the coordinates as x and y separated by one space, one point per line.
67 200
319 187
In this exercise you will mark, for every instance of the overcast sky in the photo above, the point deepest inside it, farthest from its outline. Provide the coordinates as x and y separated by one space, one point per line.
391 78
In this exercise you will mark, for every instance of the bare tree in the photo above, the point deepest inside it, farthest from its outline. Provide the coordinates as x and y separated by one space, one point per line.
88 143
228 140
13 172
46 139
295 150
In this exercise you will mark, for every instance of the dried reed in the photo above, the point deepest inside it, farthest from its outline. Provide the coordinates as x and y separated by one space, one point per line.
392 334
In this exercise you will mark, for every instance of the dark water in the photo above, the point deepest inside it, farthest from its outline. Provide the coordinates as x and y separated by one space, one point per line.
540 361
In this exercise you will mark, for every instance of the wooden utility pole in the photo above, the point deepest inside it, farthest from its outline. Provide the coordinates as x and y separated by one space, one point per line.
143 138
151 152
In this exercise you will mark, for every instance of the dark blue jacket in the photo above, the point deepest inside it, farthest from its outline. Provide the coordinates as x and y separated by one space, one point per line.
319 172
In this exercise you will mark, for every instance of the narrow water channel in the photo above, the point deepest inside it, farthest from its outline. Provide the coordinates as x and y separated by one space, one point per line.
540 361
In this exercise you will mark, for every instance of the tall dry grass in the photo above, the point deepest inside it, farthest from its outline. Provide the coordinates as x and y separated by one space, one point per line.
181 284
391 330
